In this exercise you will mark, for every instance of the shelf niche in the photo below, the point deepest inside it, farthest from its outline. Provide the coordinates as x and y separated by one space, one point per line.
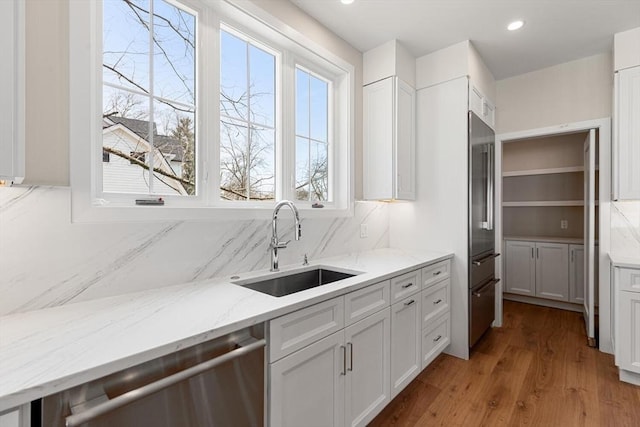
543 184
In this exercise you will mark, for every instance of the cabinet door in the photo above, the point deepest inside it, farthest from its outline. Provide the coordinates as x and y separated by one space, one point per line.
405 342
405 125
552 271
12 90
367 383
307 387
628 331
10 419
576 274
626 174
520 268
378 134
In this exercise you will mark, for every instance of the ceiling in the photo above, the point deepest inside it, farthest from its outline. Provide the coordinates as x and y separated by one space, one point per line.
555 31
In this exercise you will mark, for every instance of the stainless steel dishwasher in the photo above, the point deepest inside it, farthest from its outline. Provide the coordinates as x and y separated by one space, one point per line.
216 383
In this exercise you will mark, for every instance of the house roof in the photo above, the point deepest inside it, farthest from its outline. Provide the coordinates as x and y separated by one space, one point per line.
164 143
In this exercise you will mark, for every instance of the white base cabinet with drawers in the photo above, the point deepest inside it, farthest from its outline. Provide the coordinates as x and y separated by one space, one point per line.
341 361
627 324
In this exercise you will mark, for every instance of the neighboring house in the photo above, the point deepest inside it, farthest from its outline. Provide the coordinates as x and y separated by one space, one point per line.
125 139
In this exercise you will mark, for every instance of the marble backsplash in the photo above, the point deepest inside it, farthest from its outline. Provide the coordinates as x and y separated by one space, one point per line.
625 229
46 261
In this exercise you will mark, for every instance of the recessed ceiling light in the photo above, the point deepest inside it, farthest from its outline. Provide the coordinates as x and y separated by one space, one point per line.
515 25
347 1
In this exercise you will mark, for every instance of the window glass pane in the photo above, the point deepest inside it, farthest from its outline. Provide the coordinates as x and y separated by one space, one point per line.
262 164
263 87
126 43
234 174
302 168
174 53
318 96
233 76
174 151
122 136
302 103
318 172
136 135
247 120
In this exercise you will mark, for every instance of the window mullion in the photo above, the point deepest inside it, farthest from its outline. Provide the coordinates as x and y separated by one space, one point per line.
151 101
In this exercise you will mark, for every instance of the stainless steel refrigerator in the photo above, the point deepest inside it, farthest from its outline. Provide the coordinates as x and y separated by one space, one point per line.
482 253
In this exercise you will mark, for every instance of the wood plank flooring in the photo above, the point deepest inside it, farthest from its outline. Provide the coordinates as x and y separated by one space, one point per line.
536 370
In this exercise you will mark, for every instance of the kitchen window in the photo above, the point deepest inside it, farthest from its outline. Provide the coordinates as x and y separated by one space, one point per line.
207 105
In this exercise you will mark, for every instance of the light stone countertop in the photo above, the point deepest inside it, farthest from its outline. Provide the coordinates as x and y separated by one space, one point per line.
568 240
624 261
50 350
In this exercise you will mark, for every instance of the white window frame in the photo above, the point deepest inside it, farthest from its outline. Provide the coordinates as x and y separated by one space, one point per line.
86 111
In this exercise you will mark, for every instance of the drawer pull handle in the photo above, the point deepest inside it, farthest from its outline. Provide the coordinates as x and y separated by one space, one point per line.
437 273
436 339
408 285
410 302
437 302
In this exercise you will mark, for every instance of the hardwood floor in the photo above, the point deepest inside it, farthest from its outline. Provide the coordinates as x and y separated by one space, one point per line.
536 370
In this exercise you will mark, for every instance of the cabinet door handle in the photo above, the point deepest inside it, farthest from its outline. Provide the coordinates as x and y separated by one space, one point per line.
410 302
437 302
408 285
537 252
436 339
571 255
531 252
344 360
350 345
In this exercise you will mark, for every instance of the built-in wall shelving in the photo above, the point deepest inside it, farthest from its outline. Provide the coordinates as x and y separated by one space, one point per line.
548 171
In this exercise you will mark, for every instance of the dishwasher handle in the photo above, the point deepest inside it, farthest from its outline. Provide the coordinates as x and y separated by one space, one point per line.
146 390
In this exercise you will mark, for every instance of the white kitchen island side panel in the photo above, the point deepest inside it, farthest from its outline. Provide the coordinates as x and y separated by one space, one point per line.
47 261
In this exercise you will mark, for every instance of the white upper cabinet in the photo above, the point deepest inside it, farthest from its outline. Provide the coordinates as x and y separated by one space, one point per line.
389 98
389 140
12 91
482 106
626 143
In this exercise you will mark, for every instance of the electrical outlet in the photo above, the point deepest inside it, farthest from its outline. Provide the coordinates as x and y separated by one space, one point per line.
564 224
364 231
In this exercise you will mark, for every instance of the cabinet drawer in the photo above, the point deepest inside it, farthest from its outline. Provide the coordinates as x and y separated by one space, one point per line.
436 272
365 301
296 330
405 285
628 279
435 339
435 301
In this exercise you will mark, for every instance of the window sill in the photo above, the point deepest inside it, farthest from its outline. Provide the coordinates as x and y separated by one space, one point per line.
88 213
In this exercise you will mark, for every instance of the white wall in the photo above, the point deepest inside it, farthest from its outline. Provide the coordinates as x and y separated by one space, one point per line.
570 92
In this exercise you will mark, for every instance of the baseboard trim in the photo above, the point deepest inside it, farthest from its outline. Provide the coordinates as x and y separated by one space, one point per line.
543 302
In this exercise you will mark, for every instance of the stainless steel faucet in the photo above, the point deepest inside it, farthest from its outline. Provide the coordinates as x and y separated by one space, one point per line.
275 244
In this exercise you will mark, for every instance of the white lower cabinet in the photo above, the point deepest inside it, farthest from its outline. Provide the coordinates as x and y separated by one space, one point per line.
627 323
17 417
307 387
405 342
538 269
576 274
368 360
342 379
341 361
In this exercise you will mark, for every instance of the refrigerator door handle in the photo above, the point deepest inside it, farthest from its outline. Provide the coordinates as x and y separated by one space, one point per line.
490 187
485 259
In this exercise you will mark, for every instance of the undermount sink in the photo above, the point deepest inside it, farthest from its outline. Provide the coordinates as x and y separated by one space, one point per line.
293 282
